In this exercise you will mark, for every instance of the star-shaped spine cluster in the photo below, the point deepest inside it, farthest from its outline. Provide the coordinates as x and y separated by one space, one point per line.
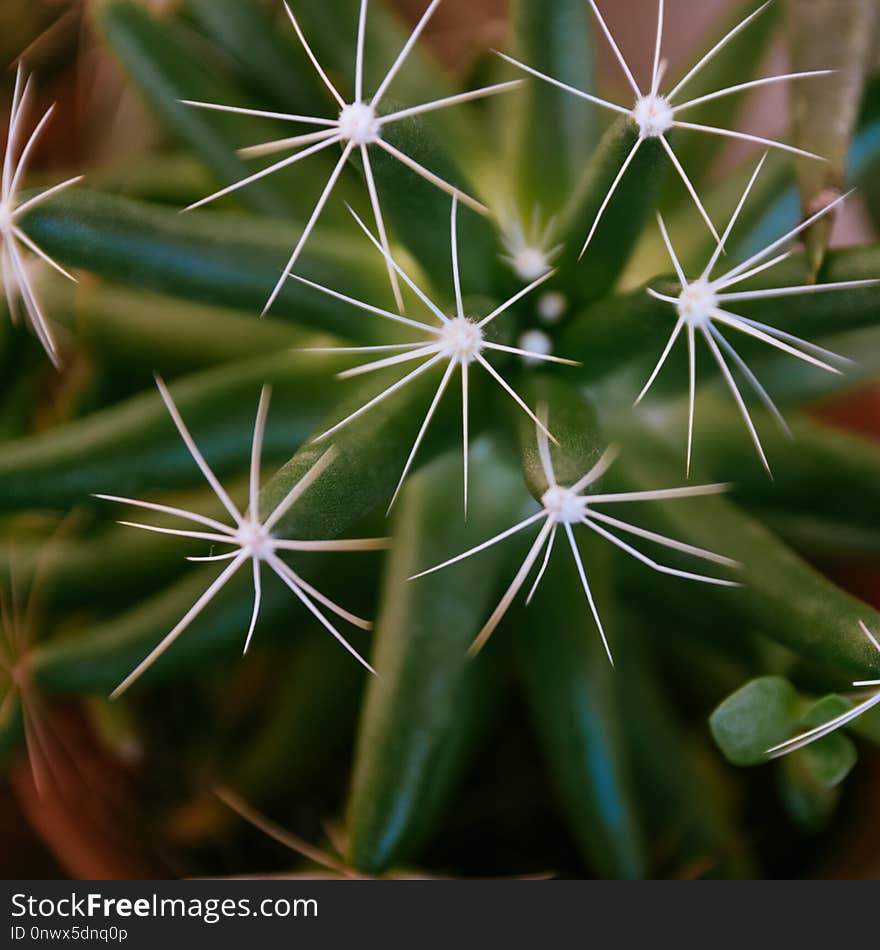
249 538
701 308
655 115
568 505
357 127
18 280
459 341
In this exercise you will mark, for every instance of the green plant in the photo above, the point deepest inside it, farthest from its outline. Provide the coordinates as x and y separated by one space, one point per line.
643 790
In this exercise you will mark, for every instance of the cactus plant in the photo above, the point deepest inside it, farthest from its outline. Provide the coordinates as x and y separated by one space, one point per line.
442 219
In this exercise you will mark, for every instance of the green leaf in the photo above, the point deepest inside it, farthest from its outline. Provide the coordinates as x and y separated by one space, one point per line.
171 178
229 260
833 757
419 212
694 244
682 796
370 454
270 59
868 725
308 721
823 710
798 383
633 328
105 568
755 718
573 423
838 35
98 661
809 803
550 132
866 150
134 447
159 60
423 710
737 62
820 471
819 538
579 709
155 333
623 220
781 596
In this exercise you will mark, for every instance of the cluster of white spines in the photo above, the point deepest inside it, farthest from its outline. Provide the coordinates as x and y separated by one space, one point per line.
15 269
568 505
701 309
654 114
458 340
358 126
529 250
248 538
